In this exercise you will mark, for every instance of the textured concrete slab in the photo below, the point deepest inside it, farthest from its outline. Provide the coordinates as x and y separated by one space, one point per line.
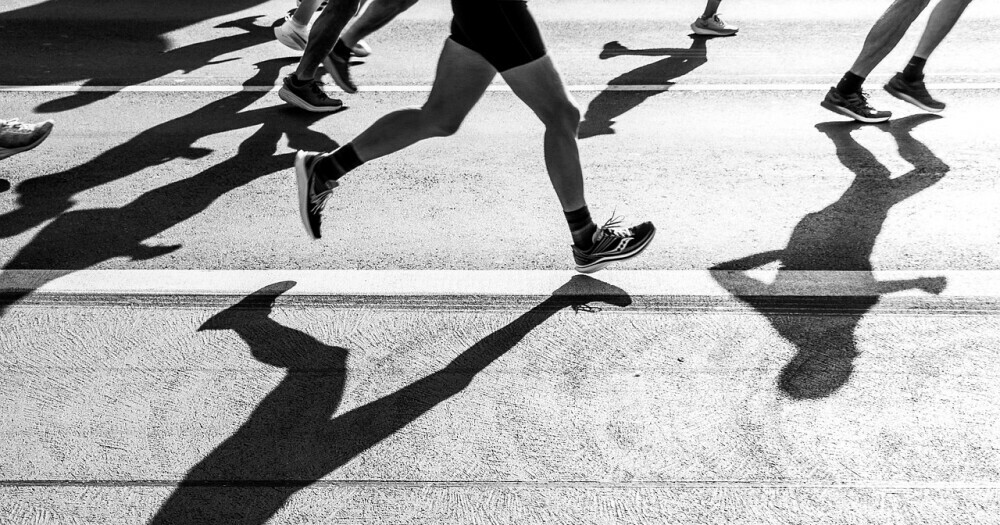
530 408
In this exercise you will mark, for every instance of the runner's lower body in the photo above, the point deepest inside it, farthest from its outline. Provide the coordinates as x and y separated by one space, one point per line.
488 37
848 99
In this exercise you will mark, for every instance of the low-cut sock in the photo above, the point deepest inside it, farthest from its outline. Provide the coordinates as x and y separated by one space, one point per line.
914 69
335 165
850 83
581 227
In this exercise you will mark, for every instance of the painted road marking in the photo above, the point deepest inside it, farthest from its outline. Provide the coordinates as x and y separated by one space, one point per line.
948 283
957 86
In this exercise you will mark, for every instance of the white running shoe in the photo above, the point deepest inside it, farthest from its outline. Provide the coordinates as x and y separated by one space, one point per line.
713 27
290 35
361 49
17 136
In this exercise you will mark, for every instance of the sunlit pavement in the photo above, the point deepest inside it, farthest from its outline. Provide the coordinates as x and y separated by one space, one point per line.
809 339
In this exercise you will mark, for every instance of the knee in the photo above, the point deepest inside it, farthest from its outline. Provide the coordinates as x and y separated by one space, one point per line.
437 125
564 115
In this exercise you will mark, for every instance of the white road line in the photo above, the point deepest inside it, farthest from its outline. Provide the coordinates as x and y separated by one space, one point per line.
955 283
958 86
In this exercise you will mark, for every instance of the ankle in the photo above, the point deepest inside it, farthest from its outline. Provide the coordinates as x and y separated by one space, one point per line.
584 237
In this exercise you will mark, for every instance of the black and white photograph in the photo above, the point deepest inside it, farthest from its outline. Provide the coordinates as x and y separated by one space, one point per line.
499 262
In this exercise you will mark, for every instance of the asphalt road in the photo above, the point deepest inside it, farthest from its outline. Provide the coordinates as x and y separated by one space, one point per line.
778 398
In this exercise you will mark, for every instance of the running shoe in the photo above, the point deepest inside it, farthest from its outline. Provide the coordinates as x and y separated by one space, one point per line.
854 105
713 27
361 49
913 92
16 136
291 36
309 97
612 244
313 193
340 69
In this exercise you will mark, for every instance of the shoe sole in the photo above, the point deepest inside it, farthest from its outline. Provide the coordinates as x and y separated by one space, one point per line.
711 32
302 181
8 152
293 41
907 98
361 49
328 65
286 94
597 266
846 112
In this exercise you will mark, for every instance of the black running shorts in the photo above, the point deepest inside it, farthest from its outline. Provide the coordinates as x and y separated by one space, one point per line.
502 31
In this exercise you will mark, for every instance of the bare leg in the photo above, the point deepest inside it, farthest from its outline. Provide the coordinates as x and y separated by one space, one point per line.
324 34
886 33
711 7
461 79
304 12
376 16
539 85
942 19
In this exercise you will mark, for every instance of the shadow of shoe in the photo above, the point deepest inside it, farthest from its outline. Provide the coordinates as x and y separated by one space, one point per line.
249 310
582 289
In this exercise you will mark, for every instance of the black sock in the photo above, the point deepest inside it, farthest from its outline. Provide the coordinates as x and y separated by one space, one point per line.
338 163
341 50
296 82
581 227
914 70
851 83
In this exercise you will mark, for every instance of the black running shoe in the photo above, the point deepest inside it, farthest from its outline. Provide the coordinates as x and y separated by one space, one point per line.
855 106
309 96
340 69
913 92
613 244
313 193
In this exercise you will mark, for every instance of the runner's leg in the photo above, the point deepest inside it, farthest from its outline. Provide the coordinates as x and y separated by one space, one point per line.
324 34
461 79
886 33
375 17
539 85
940 23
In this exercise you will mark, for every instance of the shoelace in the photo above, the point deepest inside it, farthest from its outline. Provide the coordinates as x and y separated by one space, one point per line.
15 125
610 228
317 89
860 98
319 200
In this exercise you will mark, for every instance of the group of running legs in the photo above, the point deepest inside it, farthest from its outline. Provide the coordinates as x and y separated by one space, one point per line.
500 36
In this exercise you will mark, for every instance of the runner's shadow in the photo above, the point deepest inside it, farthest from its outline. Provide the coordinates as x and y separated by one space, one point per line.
295 437
611 103
840 237
79 239
114 42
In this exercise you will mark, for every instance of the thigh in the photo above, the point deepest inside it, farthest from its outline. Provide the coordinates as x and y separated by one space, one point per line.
539 85
461 78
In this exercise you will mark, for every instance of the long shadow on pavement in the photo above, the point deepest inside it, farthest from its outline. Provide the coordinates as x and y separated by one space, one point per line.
294 437
840 237
79 239
113 42
612 103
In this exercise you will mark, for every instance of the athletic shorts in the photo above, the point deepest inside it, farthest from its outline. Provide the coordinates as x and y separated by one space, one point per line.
502 31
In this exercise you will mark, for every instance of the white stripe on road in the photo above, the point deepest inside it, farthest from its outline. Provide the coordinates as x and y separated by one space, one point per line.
949 283
960 86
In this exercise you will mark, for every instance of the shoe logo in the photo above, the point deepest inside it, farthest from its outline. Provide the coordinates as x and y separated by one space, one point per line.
624 242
